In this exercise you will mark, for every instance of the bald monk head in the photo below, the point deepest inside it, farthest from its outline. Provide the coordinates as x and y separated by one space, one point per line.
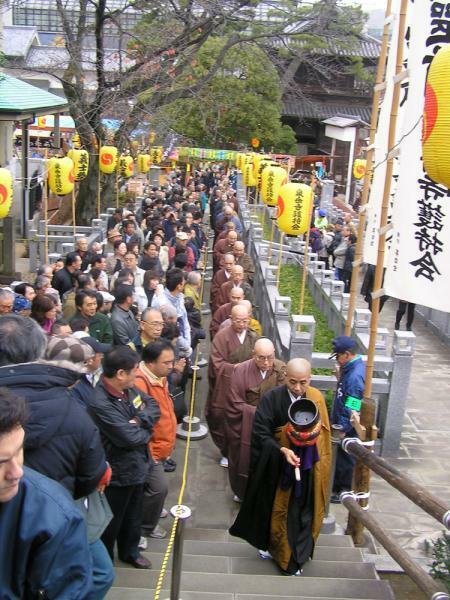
229 225
248 305
239 318
237 274
232 237
238 249
264 354
228 262
236 295
298 376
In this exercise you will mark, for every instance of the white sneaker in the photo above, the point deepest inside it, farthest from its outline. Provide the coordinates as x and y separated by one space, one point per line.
236 499
143 543
164 513
223 462
264 554
298 573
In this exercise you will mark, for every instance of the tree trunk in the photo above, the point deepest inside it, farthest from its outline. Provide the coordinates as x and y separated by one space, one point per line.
86 209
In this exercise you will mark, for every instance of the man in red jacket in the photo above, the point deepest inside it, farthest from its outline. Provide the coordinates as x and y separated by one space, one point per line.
157 361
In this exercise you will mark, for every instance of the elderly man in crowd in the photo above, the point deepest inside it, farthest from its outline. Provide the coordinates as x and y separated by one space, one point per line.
232 345
244 260
237 279
6 301
221 276
251 379
224 312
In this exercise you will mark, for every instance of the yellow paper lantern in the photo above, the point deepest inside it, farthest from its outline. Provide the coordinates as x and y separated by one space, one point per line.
125 166
61 178
248 178
257 159
108 159
80 160
272 179
436 119
255 142
6 192
294 208
359 168
264 164
156 154
76 142
144 163
135 145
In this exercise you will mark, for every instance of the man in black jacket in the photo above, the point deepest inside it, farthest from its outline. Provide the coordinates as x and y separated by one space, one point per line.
125 417
61 440
63 279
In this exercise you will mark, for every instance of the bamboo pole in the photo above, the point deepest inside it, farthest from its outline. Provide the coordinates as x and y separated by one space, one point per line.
381 71
280 256
306 252
99 174
74 221
45 194
272 234
367 417
117 188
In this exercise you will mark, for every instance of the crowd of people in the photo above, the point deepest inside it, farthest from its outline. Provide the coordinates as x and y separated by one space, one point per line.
95 357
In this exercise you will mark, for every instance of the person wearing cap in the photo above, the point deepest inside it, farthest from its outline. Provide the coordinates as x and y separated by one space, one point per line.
283 510
108 300
181 240
321 221
114 220
84 388
347 401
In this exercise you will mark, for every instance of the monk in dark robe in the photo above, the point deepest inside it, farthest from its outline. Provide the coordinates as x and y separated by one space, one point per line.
279 515
244 260
222 276
250 381
232 345
236 280
224 311
222 247
228 227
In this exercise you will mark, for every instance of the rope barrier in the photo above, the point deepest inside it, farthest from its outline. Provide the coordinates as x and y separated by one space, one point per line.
165 561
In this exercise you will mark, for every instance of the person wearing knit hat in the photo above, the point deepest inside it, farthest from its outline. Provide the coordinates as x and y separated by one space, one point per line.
69 352
21 306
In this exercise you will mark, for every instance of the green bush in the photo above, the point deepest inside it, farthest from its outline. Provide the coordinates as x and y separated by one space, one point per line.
440 567
290 285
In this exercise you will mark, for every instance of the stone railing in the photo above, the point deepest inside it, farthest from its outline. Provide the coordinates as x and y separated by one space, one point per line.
61 238
293 335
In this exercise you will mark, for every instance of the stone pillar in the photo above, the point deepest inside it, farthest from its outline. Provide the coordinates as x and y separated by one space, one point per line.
326 198
402 354
303 328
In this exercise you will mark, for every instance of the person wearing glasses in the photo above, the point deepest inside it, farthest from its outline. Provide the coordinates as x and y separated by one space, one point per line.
232 345
151 324
250 381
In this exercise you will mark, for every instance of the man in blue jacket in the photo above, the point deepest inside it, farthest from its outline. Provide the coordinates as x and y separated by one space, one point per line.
349 393
44 550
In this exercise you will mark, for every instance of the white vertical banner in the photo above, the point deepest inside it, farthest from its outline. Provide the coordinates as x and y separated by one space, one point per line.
370 246
418 266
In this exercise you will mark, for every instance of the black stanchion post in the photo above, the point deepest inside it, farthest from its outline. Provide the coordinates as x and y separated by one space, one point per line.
182 513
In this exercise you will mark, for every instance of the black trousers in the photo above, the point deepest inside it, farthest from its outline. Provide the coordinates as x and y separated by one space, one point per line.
345 464
125 527
402 307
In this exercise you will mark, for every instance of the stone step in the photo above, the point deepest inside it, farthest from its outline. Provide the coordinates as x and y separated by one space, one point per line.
250 566
141 594
258 585
220 535
238 550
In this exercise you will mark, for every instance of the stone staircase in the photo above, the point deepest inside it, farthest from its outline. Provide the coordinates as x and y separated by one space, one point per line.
217 566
